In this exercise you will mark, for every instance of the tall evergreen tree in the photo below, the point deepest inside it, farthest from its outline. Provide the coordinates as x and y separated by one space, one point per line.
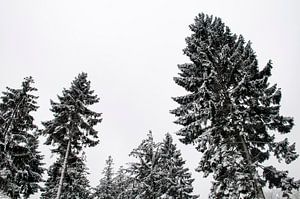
178 181
106 189
20 160
72 127
231 113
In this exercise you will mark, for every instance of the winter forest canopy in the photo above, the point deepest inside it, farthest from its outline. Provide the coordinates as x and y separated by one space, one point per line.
230 114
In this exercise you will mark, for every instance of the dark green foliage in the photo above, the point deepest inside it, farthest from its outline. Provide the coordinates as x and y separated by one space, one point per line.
20 160
231 112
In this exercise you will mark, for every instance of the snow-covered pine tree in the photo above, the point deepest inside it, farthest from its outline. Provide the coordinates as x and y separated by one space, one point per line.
178 181
72 127
106 188
51 184
75 185
149 177
231 113
147 172
121 182
127 187
34 177
20 161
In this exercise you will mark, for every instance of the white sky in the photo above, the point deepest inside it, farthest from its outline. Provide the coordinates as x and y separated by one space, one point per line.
130 50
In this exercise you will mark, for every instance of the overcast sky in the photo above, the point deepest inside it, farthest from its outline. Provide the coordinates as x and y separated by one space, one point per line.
130 50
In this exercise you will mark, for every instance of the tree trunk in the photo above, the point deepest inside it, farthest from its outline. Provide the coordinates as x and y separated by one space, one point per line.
259 189
63 171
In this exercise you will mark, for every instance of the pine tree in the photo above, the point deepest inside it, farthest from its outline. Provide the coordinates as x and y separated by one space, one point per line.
127 187
147 173
20 161
178 181
51 184
121 183
106 189
231 113
72 127
34 176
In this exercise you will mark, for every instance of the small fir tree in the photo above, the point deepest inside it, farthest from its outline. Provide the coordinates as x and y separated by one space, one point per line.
121 182
159 173
72 127
126 185
34 175
231 113
20 161
106 189
147 173
51 184
178 181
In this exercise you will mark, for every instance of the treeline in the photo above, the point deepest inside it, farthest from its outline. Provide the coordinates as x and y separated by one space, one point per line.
158 173
230 113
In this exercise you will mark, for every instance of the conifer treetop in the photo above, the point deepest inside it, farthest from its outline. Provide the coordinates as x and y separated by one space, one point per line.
20 160
72 117
231 112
